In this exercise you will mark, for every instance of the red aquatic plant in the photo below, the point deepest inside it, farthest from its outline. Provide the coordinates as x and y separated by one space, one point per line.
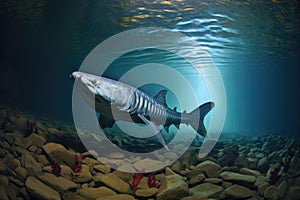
136 180
56 169
78 162
151 181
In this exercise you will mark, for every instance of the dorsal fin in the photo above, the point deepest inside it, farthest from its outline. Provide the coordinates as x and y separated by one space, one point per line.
175 109
161 97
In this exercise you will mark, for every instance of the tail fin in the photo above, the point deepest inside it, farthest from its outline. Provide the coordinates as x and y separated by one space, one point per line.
197 117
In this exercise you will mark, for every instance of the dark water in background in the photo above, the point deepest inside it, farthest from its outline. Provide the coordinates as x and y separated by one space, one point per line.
255 45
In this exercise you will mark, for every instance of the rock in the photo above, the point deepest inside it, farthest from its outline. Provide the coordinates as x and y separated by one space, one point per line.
3 193
4 179
146 192
3 168
143 183
176 167
33 149
226 184
43 160
20 123
125 176
293 193
215 181
113 182
30 164
117 197
58 183
54 131
72 196
169 171
197 179
2 152
206 190
263 165
271 193
95 193
16 181
238 178
229 155
211 169
148 164
23 142
116 155
282 188
172 187
21 172
90 161
91 154
83 176
262 188
241 161
7 192
259 181
37 140
20 151
236 192
11 162
102 168
59 154
9 127
252 162
250 172
39 190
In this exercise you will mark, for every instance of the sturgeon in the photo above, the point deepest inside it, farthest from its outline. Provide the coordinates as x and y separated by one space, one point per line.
115 100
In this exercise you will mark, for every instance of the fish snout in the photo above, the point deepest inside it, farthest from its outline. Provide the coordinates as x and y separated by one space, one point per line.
75 75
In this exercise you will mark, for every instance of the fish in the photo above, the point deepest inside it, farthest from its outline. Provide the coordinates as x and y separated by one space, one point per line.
115 100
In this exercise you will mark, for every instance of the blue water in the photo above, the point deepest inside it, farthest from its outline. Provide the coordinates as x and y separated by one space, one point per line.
254 44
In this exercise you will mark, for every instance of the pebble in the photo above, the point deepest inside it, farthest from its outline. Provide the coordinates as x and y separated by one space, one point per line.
90 161
39 190
59 154
146 192
197 179
271 192
172 187
83 176
245 180
37 140
216 181
259 181
95 193
30 164
58 183
262 188
102 168
112 181
263 165
148 164
251 172
206 190
117 197
236 192
211 169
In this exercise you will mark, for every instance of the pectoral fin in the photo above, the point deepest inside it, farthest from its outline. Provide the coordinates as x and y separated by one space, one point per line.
155 130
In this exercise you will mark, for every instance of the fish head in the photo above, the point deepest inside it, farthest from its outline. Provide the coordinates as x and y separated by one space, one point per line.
103 89
93 85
